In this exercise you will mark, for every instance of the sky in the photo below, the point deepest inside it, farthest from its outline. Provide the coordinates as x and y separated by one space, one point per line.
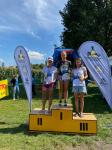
34 24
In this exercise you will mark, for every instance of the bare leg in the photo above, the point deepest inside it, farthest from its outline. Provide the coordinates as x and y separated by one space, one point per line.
18 92
50 97
44 96
76 102
14 92
66 83
60 89
81 103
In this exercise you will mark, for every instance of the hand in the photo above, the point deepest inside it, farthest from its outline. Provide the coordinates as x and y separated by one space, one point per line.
45 75
81 78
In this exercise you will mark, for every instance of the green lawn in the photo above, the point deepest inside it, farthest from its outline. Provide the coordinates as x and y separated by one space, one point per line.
14 134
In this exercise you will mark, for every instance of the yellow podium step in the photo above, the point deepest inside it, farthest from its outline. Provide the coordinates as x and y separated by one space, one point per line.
62 119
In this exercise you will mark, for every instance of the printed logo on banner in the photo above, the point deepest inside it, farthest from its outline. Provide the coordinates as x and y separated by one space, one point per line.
93 53
94 57
21 57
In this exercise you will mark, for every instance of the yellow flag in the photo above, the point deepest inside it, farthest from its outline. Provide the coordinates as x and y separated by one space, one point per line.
4 88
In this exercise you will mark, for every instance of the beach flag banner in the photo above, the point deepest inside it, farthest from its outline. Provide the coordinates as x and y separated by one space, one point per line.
97 62
4 88
23 63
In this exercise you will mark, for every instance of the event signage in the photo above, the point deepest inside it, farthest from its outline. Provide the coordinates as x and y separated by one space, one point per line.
3 88
97 62
23 63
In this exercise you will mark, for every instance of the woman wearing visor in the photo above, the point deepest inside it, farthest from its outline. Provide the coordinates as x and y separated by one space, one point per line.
49 73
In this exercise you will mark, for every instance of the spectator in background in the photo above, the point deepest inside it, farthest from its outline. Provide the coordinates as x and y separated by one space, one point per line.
15 84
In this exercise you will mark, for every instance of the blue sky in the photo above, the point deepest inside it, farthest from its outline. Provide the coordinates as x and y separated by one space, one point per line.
34 24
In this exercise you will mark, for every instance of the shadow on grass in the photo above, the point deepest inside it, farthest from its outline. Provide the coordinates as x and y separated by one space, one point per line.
22 128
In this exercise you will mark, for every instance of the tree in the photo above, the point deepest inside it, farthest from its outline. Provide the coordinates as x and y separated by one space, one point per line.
87 20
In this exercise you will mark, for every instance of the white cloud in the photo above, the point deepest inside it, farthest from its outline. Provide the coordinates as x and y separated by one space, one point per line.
15 18
30 15
34 35
46 12
30 22
34 55
8 28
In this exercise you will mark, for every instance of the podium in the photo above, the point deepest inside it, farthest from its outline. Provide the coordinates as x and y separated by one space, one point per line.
62 119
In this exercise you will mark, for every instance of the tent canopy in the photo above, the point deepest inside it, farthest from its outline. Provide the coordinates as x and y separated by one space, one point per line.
71 54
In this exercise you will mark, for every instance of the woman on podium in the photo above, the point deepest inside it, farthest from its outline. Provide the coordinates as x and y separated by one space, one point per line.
79 87
49 73
64 69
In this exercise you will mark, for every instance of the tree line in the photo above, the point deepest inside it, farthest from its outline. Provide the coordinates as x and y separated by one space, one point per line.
8 72
85 20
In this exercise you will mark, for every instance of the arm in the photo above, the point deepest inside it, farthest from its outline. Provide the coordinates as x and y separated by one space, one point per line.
72 74
85 76
42 75
56 74
71 71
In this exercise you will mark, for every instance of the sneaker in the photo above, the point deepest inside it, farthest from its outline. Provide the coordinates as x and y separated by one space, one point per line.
65 104
60 103
81 115
49 111
76 114
42 111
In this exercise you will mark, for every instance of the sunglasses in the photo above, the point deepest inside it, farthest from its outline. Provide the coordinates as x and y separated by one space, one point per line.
78 61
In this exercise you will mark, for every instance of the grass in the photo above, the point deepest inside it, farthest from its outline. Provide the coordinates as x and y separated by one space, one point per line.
14 134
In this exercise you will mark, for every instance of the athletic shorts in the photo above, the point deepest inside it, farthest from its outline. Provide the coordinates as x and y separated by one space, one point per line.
64 77
48 86
79 89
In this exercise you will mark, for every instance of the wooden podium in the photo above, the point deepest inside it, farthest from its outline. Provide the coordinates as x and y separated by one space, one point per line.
62 119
